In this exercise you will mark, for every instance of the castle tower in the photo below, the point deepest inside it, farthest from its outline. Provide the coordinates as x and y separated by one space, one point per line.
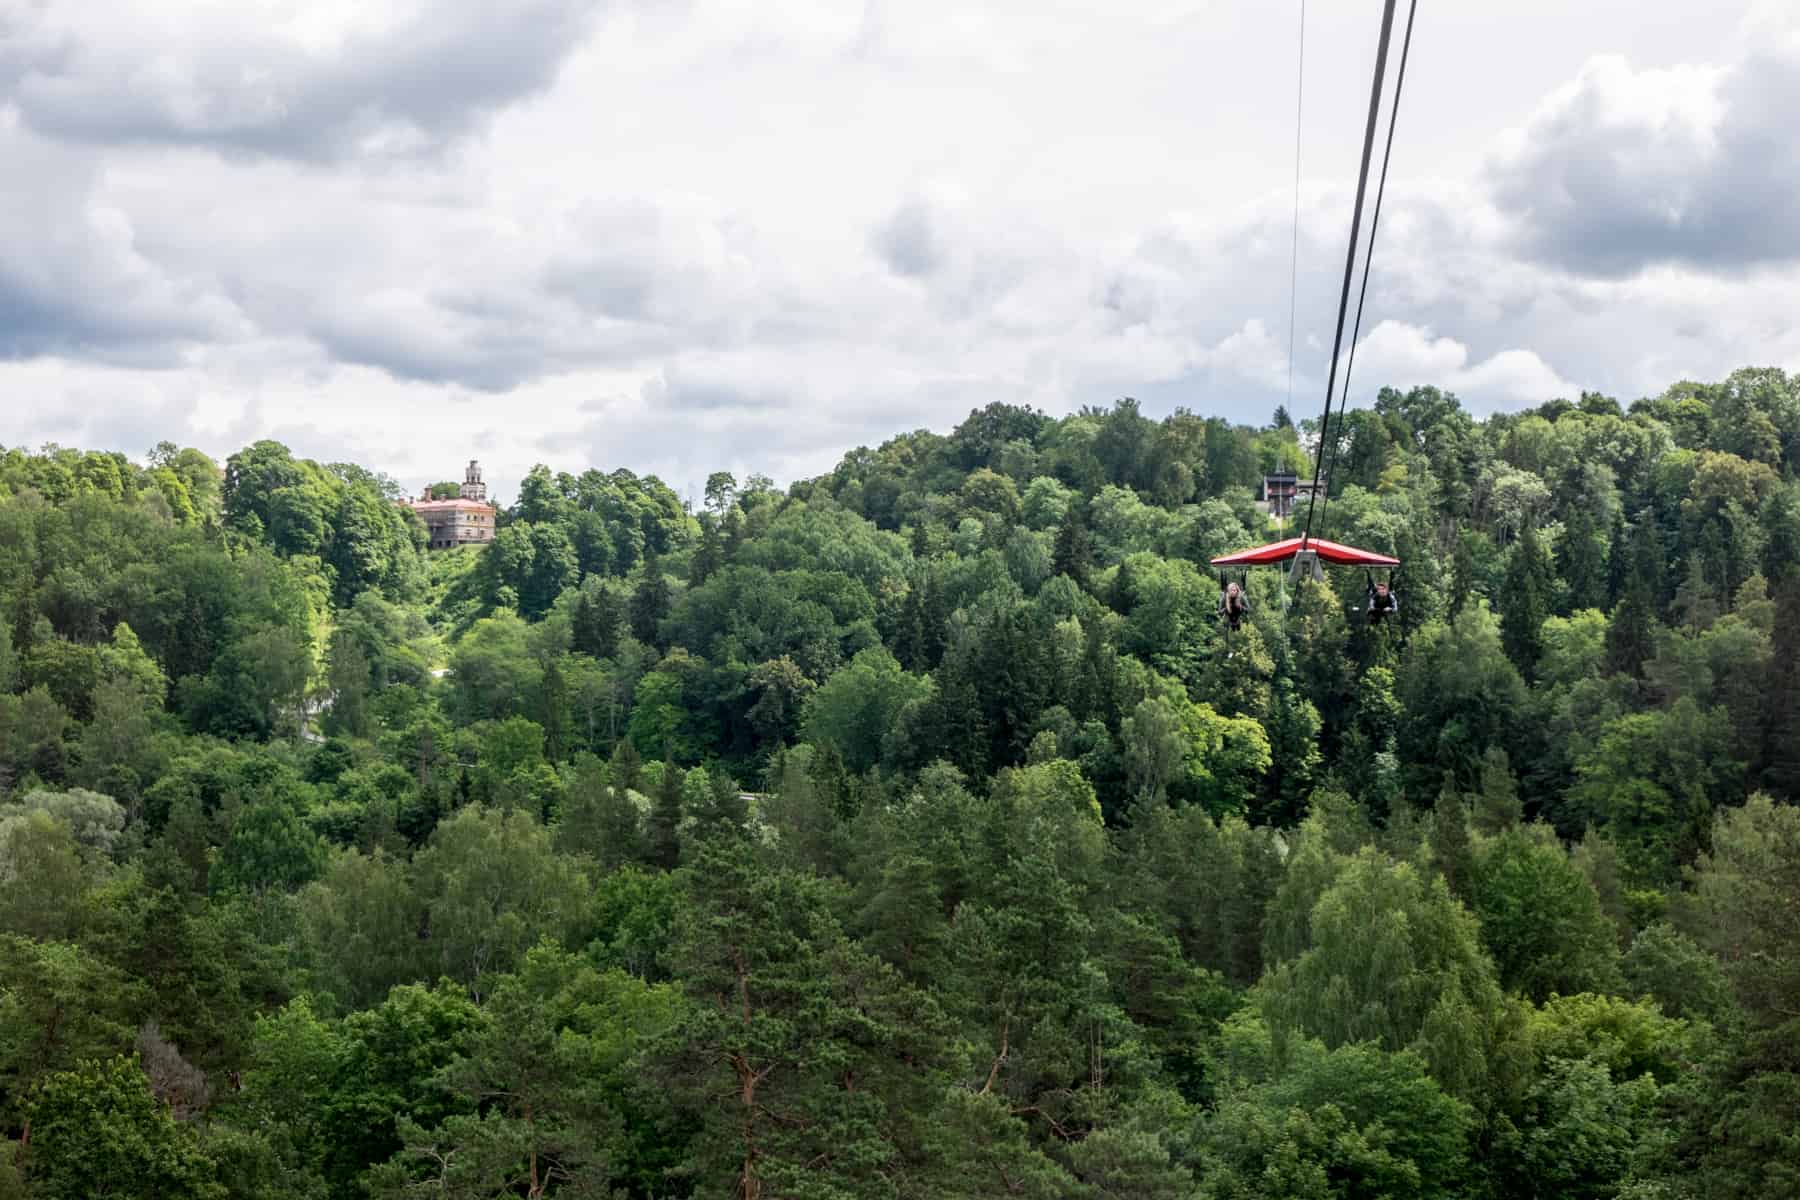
467 520
472 487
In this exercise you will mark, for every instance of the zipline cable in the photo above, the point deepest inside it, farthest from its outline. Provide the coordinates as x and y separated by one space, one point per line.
1294 255
1362 187
1387 156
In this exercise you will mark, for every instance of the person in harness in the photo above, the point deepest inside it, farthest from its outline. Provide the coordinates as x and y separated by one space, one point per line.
1233 604
1383 601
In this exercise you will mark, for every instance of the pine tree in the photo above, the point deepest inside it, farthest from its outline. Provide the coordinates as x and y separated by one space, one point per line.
1649 561
1497 808
1450 838
831 781
9 661
1695 601
824 1058
936 624
1462 575
921 541
582 626
594 626
910 637
1631 635
554 712
609 615
1074 552
649 603
627 768
1124 590
710 555
665 819
726 813
1781 739
1780 520
1618 561
1581 560
1525 603
350 680
597 819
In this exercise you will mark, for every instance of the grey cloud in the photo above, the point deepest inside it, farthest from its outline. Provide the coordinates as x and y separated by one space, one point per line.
908 243
702 417
1624 171
705 395
434 338
90 413
92 74
74 279
132 427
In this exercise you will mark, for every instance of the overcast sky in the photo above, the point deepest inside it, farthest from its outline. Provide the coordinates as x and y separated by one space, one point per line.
684 236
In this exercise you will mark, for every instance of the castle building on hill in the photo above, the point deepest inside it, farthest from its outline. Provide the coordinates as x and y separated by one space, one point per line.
465 521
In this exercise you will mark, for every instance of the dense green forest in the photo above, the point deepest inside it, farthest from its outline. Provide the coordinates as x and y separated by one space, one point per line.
916 830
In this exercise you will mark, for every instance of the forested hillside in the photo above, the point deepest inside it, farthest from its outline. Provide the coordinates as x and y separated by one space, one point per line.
916 830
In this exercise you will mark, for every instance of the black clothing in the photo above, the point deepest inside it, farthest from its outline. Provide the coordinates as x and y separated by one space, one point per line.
1233 609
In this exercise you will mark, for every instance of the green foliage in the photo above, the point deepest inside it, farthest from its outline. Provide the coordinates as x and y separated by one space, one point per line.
1525 601
1653 779
787 1015
59 1004
1459 694
269 847
856 708
97 1131
1344 1122
1391 958
1540 917
1744 891
548 1066
1667 966
915 830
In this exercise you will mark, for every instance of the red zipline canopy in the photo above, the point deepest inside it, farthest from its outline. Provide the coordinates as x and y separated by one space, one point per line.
1331 552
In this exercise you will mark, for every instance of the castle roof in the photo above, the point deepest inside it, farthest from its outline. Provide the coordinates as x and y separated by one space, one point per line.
444 505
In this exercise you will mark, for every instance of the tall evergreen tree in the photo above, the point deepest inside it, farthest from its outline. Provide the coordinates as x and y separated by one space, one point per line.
1074 552
709 556
1462 575
665 819
594 625
1124 590
1450 838
1631 634
1649 562
1525 602
910 640
936 621
920 541
554 712
650 603
1581 559
626 769
1696 603
1781 737
831 782
725 813
1619 560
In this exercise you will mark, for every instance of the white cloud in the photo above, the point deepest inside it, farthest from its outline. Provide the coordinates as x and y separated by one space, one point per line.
279 76
1401 355
677 237
73 277
1625 168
